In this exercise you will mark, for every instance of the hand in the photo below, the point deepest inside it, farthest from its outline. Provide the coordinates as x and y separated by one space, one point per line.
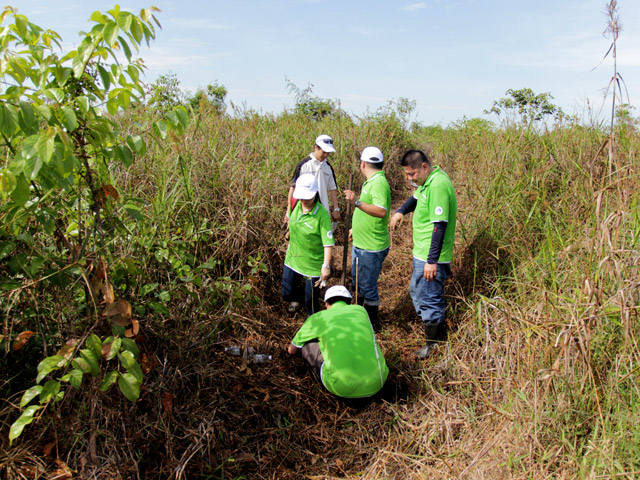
350 196
395 218
335 216
286 218
292 349
430 271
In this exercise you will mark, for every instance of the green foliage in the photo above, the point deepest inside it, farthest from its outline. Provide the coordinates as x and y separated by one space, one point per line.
213 97
531 107
310 106
94 360
165 93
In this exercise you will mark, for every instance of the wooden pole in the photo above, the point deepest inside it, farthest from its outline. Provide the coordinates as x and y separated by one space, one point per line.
347 225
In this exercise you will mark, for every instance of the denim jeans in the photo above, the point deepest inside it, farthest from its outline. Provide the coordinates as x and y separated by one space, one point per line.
428 297
368 271
293 291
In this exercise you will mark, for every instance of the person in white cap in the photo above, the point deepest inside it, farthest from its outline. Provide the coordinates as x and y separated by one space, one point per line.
308 255
317 163
370 231
340 345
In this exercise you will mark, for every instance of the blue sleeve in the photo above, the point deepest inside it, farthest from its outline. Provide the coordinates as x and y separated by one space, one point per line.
408 206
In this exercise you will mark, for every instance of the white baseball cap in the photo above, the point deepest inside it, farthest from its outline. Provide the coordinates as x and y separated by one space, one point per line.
325 142
372 155
337 291
306 187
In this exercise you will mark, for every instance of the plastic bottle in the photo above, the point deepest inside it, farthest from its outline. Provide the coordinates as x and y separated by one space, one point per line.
261 358
234 350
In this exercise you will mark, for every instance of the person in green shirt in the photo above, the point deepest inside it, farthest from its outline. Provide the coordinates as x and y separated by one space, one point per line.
434 208
370 230
308 255
340 345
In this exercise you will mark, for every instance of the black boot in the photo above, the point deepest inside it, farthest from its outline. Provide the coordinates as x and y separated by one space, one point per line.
360 300
372 310
434 333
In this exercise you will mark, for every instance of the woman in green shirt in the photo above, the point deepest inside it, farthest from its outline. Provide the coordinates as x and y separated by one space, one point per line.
308 256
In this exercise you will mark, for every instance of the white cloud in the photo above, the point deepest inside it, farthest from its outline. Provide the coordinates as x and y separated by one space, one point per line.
412 7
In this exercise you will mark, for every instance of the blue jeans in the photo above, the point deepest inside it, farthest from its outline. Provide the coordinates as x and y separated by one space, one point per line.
292 291
428 297
368 271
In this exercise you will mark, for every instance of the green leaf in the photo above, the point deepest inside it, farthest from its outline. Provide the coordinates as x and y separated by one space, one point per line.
50 390
116 347
81 364
27 118
45 146
125 47
149 287
98 17
183 116
134 211
105 77
8 119
127 359
69 121
109 379
130 346
125 155
137 144
91 360
161 129
110 33
8 183
50 364
83 104
94 344
21 192
129 386
158 308
25 419
55 94
30 394
74 377
45 112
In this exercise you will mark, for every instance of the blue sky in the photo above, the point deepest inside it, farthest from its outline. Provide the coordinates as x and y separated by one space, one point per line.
454 58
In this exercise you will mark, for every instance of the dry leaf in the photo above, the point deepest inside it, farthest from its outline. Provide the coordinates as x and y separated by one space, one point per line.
22 339
102 270
95 284
63 472
167 402
68 348
46 450
339 463
106 349
237 387
146 363
119 311
108 296
133 331
109 190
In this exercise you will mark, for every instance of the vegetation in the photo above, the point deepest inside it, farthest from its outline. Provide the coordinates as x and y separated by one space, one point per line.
176 212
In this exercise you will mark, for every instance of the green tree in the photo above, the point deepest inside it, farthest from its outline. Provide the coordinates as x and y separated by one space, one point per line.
165 93
214 95
529 106
311 106
61 211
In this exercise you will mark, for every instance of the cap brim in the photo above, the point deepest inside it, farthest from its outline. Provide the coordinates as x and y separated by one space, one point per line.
326 147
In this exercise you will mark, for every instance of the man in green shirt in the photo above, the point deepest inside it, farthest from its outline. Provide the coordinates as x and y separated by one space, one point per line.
434 208
340 345
369 230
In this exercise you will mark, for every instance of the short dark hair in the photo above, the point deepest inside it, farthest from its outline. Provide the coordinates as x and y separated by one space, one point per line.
376 166
414 159
333 300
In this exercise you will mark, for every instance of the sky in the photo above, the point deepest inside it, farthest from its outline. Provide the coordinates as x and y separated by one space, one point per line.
454 58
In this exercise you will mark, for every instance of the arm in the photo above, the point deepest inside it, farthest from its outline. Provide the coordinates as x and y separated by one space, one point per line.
335 214
289 197
437 239
369 209
327 261
407 207
292 349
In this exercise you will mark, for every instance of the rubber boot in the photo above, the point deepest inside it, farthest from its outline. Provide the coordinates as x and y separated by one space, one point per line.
372 310
433 333
360 300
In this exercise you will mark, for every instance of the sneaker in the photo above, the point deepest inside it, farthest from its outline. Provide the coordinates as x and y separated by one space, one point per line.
425 351
293 307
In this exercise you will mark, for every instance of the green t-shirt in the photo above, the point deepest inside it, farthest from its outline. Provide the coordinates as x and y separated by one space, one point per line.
309 233
353 363
369 232
436 203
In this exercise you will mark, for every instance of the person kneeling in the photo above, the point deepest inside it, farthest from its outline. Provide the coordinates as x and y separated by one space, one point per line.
340 345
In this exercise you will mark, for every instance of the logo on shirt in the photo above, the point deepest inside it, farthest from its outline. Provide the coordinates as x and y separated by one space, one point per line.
329 234
439 210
